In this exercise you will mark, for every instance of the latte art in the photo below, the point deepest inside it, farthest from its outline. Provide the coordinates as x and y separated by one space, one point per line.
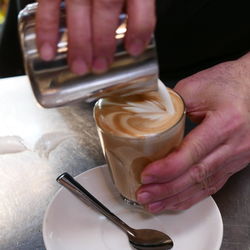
136 116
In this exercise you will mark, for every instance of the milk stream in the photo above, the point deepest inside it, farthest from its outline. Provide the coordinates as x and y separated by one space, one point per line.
148 108
165 96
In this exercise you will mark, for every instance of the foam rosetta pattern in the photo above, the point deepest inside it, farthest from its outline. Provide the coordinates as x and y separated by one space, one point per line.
135 116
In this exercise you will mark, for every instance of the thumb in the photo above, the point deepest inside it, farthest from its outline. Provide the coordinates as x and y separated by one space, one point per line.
189 88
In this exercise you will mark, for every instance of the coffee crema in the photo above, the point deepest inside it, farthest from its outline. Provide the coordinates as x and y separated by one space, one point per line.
135 131
138 115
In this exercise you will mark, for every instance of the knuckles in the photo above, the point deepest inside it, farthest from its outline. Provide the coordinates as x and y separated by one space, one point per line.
199 149
199 173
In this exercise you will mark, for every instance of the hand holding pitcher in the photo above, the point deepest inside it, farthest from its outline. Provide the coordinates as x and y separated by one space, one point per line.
91 27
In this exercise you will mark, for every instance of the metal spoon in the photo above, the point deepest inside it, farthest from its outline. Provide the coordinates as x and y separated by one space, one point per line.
142 239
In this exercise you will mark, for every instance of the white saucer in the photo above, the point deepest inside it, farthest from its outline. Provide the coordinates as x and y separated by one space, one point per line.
69 224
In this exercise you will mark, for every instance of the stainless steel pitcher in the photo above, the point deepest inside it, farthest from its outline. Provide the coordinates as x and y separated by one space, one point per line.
55 85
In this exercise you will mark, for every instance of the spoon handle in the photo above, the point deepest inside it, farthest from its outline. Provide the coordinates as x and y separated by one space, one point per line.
77 189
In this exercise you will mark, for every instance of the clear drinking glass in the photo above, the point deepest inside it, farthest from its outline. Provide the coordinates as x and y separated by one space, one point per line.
127 155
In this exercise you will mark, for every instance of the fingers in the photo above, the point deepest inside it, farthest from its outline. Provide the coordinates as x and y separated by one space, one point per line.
91 30
105 22
47 21
199 175
141 23
186 199
79 35
208 187
195 193
198 144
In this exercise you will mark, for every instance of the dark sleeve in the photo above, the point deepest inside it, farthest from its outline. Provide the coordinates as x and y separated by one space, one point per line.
11 62
196 34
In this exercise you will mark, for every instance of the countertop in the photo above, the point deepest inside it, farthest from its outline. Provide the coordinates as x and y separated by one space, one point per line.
37 145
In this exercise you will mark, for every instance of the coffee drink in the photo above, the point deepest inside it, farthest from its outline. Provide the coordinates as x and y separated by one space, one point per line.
136 130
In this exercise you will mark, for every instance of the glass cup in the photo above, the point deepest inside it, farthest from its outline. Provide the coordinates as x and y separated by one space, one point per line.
130 140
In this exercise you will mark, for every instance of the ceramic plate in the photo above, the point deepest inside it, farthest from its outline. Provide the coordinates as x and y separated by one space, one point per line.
69 224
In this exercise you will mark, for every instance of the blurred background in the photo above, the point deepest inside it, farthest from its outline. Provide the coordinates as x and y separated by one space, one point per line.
10 54
3 10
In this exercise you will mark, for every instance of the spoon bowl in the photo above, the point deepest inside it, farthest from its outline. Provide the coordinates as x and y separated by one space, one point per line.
141 239
150 239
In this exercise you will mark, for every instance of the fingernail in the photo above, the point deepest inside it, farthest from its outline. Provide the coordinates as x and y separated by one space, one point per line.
47 52
136 47
143 197
100 65
147 179
79 66
156 206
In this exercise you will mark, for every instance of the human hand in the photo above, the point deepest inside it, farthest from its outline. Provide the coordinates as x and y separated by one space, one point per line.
219 99
91 30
